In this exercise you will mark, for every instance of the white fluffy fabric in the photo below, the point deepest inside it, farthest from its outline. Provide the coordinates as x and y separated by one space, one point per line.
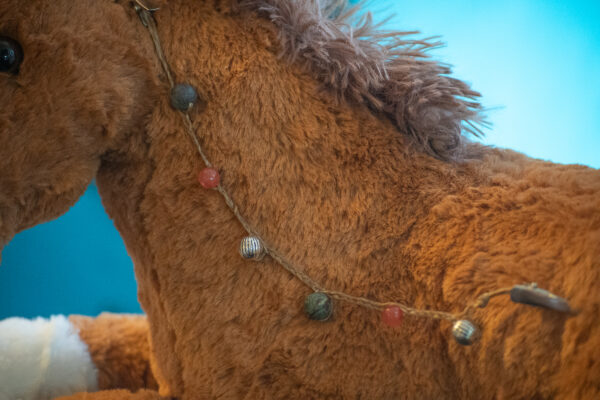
42 359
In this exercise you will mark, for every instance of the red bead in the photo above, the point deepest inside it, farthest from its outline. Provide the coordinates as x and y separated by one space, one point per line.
392 316
209 178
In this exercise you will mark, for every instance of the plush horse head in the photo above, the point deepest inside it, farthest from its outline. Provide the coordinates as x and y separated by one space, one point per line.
349 157
70 92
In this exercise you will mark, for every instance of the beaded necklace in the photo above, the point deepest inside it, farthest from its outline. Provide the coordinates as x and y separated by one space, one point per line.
319 304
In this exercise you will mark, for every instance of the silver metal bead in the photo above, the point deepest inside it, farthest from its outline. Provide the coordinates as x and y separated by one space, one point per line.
464 332
251 248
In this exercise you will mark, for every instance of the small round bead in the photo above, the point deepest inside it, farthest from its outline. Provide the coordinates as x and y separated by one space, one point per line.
209 178
392 316
251 248
464 332
183 97
318 306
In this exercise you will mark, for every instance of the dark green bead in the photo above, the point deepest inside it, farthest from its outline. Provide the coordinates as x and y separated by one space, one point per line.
318 306
183 96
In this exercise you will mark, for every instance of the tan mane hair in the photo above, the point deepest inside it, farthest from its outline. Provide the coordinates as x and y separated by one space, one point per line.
391 74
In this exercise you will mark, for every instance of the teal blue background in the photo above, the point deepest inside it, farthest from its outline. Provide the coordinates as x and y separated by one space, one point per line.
537 62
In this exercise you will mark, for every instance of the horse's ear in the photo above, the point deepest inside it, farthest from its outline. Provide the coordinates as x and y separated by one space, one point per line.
361 63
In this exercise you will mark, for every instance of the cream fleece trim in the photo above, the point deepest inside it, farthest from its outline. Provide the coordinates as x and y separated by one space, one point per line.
41 359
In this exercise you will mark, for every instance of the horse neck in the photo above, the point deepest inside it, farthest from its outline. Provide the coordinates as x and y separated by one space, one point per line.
312 176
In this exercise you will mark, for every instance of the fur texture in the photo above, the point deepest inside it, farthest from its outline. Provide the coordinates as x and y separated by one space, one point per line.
42 359
382 69
119 348
116 395
328 182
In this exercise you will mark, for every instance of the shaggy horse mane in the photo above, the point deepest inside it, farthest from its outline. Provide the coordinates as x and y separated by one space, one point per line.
385 70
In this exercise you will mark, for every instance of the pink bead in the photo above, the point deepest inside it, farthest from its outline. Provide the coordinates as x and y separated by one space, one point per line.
392 316
209 178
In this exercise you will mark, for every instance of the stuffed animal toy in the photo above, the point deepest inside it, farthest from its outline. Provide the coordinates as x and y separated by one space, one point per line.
43 359
306 214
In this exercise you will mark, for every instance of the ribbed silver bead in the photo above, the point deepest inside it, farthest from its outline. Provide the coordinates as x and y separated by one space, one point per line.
464 332
251 248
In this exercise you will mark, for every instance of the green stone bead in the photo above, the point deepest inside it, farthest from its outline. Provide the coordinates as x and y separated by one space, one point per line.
318 306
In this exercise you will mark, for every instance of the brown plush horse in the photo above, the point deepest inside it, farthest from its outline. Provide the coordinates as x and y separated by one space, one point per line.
345 155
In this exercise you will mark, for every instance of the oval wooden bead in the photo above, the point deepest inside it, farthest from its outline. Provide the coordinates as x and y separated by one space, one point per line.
534 296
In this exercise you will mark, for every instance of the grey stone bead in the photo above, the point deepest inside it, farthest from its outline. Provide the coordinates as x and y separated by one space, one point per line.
183 97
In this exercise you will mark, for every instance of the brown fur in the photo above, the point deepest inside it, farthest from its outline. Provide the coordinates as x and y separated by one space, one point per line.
332 184
381 69
119 348
116 395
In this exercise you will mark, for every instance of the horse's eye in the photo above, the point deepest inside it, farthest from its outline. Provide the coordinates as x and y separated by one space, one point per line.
11 55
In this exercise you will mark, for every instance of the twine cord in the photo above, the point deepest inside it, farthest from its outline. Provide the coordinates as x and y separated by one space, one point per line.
147 19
